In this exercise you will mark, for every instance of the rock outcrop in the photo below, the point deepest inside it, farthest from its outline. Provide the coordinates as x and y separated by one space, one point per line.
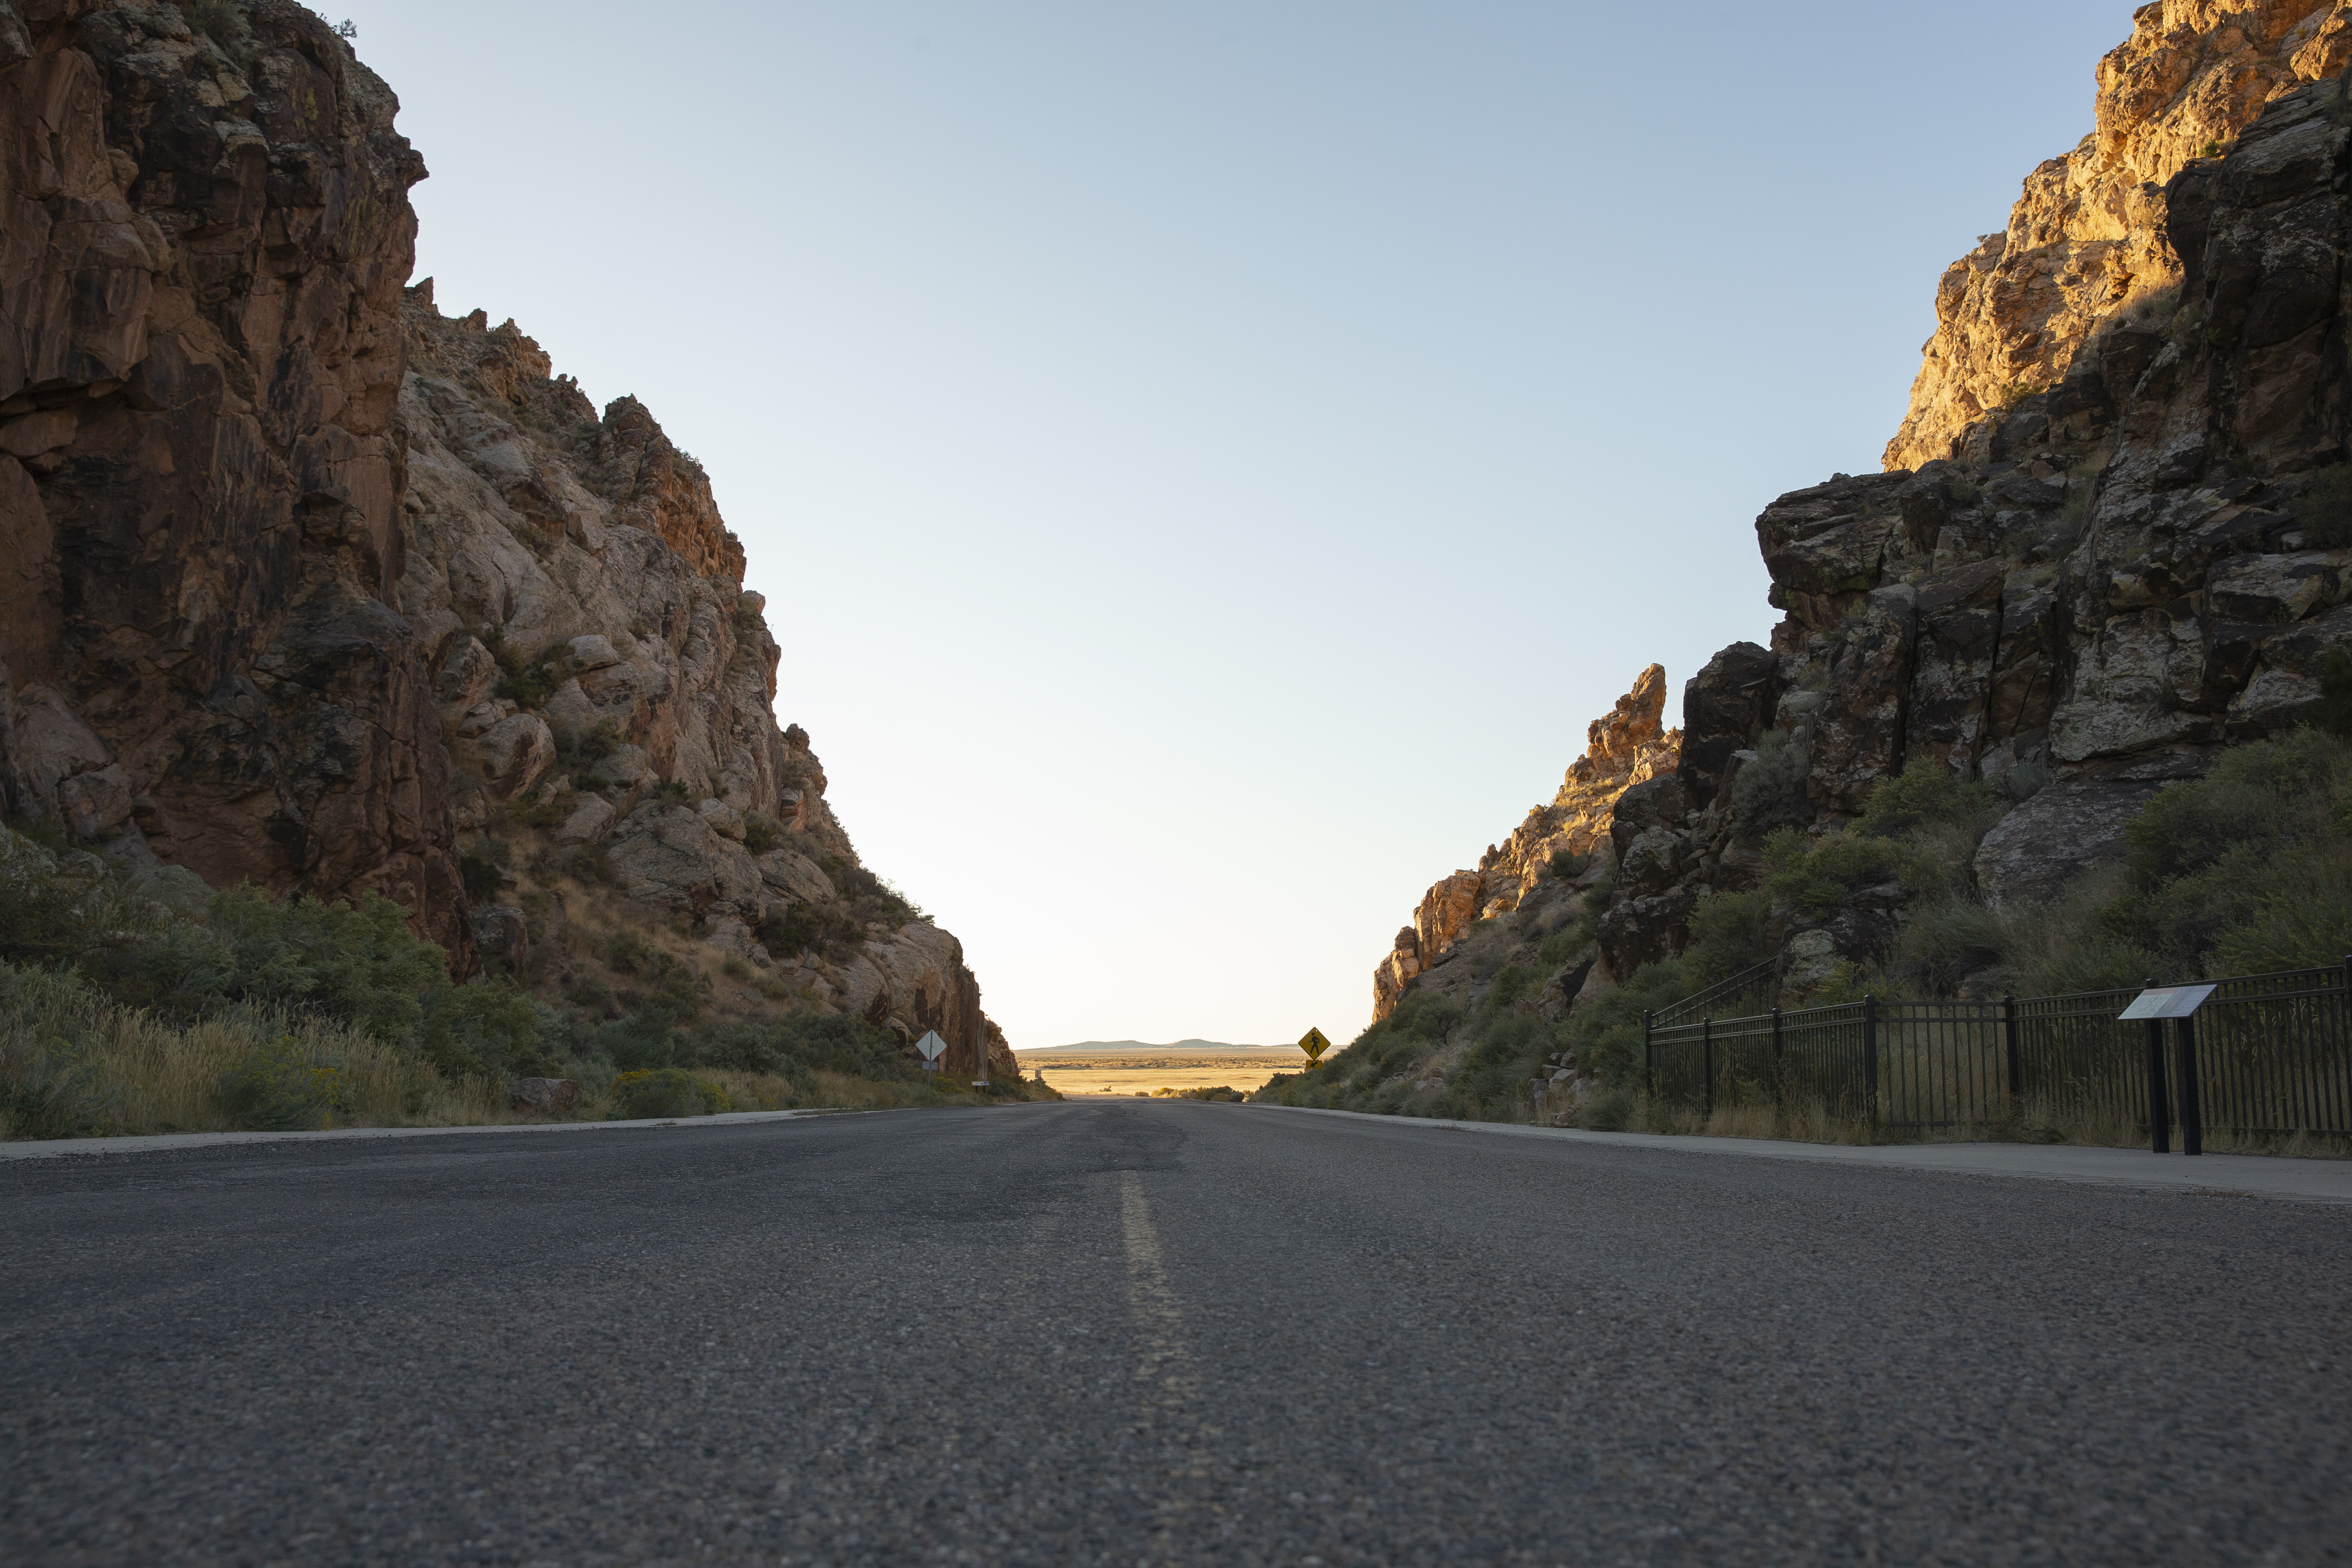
2089 236
2121 575
2137 554
200 350
1566 839
304 584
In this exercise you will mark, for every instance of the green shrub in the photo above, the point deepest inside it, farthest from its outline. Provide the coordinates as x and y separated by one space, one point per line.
2325 513
216 19
529 684
1568 866
762 832
1923 796
491 1027
1606 1032
664 1092
589 864
483 879
2241 869
1727 935
2333 712
281 1087
1946 942
600 741
1510 984
791 930
1817 878
50 1088
1556 950
1769 793
1610 1110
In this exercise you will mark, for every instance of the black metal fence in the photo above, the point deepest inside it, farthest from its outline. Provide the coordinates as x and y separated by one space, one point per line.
2267 1055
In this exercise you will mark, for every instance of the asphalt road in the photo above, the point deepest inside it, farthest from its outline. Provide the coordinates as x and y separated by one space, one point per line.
1115 1333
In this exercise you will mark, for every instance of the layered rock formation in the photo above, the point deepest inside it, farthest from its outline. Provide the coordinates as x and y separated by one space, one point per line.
200 350
2147 562
607 685
276 607
1629 747
2090 234
2082 591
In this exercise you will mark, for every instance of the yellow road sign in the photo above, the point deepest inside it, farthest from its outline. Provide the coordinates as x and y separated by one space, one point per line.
1312 1043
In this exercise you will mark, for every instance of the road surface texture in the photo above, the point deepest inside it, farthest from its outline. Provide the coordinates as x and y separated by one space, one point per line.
1149 1332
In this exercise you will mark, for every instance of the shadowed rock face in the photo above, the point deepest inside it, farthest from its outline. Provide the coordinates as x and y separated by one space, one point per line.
200 350
269 526
2120 582
2098 586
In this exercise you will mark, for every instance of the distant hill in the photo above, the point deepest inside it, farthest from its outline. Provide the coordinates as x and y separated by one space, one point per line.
1148 1046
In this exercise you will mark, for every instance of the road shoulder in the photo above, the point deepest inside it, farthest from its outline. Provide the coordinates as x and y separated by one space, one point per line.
2231 1175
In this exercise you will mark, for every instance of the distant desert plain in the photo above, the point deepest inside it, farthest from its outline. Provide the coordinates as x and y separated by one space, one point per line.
1133 1067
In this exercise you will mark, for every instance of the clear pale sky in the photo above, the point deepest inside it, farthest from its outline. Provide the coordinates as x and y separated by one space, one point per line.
1207 462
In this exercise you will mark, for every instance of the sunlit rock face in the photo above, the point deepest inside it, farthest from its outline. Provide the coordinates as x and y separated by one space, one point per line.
1630 746
302 583
2089 233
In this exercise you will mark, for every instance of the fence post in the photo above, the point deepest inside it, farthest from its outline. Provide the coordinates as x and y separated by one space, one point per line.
2159 1115
1707 1063
2192 1111
1649 1059
1776 1053
1870 1057
2016 1055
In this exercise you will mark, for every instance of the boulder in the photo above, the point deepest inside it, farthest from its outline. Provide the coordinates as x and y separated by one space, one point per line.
587 822
796 875
517 754
502 938
546 1096
2064 830
593 652
668 856
467 676
1726 706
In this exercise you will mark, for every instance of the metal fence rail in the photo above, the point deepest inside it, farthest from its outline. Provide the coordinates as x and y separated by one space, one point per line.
2267 1055
1757 989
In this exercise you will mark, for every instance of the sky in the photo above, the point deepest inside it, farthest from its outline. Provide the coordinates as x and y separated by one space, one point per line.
1208 462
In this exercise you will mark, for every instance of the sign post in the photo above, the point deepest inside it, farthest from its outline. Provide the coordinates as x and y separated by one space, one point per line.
2179 1004
1314 1043
932 1047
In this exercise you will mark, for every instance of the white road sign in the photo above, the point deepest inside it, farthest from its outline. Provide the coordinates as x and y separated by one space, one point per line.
931 1045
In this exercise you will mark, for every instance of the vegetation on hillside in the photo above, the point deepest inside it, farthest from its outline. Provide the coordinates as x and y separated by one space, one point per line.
149 1003
2244 871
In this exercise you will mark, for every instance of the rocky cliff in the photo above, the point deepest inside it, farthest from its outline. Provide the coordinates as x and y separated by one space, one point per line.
302 583
1556 849
2086 588
2089 234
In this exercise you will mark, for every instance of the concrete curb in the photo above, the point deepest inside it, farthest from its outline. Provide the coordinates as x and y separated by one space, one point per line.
2216 1176
57 1148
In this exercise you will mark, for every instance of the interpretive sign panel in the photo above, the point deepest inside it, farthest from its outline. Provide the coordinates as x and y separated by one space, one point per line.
2167 1002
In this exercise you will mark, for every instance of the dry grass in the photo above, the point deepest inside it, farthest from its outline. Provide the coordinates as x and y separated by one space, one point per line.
140 1074
150 1076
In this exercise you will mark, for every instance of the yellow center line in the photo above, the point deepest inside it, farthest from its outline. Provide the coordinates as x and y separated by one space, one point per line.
1164 1367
